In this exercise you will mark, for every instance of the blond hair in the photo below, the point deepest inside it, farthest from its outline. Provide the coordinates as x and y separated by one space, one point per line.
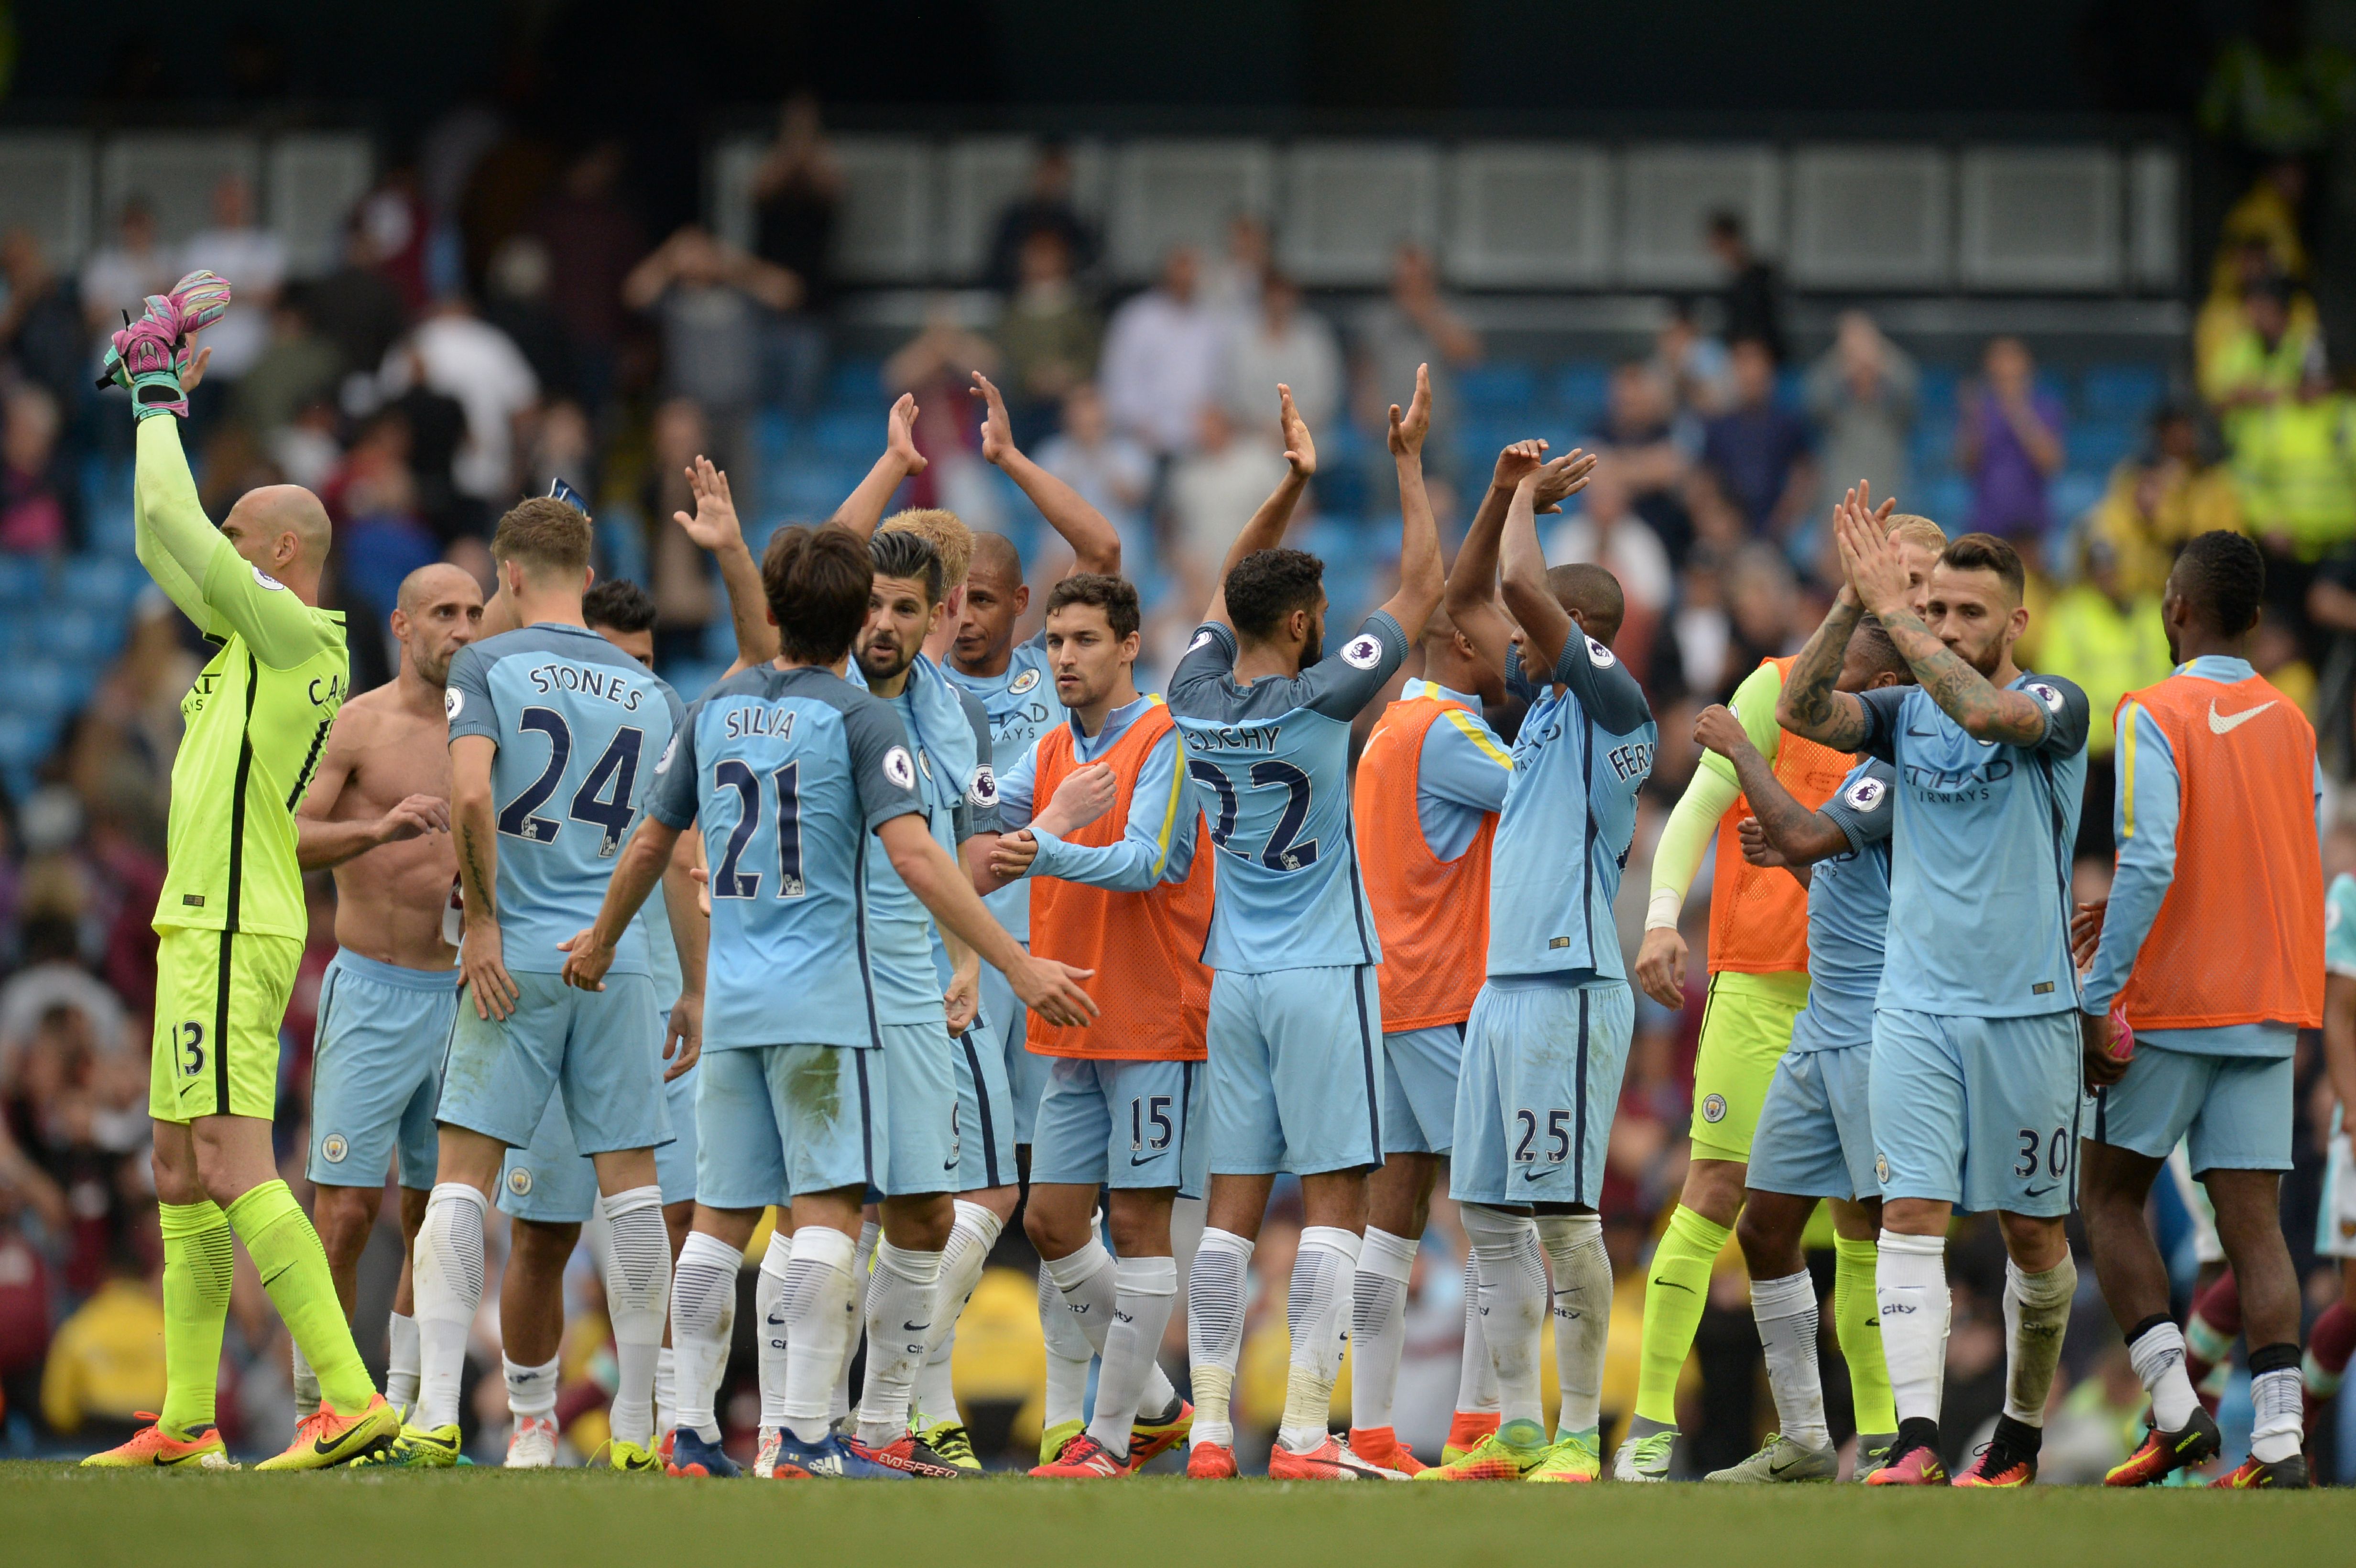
1908 529
945 532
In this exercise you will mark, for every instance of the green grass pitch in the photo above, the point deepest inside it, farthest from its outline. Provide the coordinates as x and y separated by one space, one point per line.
55 1514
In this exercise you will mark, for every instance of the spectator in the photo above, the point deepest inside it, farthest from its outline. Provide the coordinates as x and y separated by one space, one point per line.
1111 472
1045 203
117 277
1281 341
2159 498
517 303
2223 318
2261 363
1758 450
1753 301
41 324
253 260
1048 333
37 511
1762 606
1212 491
796 193
1607 531
106 1364
399 225
1231 284
937 365
1640 435
1694 365
679 579
458 354
2295 470
709 298
1415 326
356 307
1861 395
295 369
2109 638
53 977
2273 94
2010 444
1162 360
592 241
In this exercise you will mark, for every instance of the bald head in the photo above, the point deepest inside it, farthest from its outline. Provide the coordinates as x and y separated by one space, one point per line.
994 555
439 611
440 580
283 530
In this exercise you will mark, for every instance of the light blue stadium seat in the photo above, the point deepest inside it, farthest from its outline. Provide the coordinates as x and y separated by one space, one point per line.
24 579
1502 386
1584 387
1936 394
104 581
1933 446
840 433
859 381
2122 391
2073 493
2099 443
24 741
45 687
1946 500
83 635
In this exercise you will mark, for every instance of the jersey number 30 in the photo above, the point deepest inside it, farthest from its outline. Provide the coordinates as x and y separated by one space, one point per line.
1281 853
603 801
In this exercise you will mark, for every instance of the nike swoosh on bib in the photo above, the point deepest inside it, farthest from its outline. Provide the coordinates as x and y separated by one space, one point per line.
2226 723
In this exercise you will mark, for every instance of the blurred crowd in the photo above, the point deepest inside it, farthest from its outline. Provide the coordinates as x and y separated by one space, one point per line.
498 317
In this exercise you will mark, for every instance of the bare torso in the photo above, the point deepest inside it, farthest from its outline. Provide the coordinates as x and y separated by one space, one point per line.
388 900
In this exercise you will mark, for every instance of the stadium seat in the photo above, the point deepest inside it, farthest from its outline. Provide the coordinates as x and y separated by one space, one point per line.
1933 446
24 579
47 688
107 581
2073 493
840 433
1935 395
856 381
2121 392
83 637
1946 500
2099 443
1582 389
1498 387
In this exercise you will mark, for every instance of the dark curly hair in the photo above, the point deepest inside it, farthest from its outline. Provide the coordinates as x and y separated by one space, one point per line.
1269 584
2223 577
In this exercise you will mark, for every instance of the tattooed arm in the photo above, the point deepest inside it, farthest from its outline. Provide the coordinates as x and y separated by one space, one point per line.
1803 837
1809 705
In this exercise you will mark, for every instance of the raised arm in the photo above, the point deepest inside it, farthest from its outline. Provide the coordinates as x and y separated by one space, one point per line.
1809 705
1096 543
716 528
1547 627
1877 576
173 528
1470 596
1422 580
863 508
1266 529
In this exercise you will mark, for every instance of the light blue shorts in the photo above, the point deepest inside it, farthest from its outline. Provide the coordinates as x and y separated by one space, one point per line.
551 1183
377 1070
1420 1067
1123 1124
1980 1112
985 1108
917 1112
603 1048
776 1120
1027 1074
1537 1092
1295 1070
2233 1112
1815 1137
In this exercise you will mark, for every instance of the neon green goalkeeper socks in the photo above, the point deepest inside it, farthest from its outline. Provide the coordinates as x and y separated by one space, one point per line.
1677 1288
1856 1319
198 1262
294 1268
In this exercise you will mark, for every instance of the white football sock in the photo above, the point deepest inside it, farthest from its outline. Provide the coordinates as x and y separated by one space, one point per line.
1513 1305
900 1301
971 1237
2279 1419
1085 1280
1379 1324
448 1288
638 1300
531 1390
1148 1293
2036 1316
769 1302
1068 1355
2158 1355
666 1390
401 1363
702 1318
306 1384
1318 1313
1215 1330
1476 1375
819 1308
862 1275
1910 1285
1788 1321
1583 1315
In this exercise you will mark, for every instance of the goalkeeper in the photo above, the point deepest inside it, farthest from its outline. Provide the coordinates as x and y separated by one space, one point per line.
231 920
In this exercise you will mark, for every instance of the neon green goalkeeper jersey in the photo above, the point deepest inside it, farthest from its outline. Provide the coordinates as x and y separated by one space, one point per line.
257 718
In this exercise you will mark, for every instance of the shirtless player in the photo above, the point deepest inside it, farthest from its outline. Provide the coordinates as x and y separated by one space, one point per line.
379 812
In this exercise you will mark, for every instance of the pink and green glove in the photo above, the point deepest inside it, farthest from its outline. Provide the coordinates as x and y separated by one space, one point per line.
151 356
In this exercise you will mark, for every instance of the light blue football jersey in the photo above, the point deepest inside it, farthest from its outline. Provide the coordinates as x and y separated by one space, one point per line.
578 725
1979 874
2339 926
1849 911
791 772
662 948
1580 759
1271 764
1022 705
